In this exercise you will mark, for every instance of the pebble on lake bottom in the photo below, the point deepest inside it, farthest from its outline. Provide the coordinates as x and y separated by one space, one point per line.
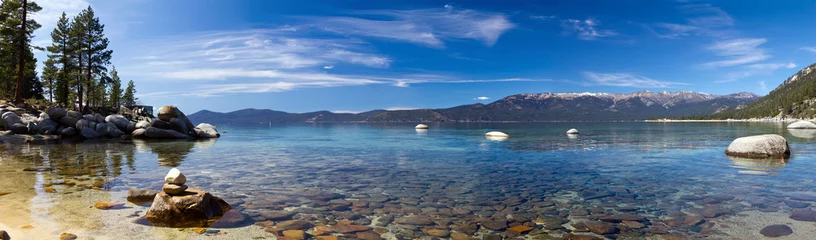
776 230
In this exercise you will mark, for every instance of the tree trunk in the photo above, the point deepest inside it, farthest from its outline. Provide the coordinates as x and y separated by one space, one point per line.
18 95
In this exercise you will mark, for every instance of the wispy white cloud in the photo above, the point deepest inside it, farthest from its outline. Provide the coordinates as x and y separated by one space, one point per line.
543 17
49 15
482 98
587 29
429 27
754 70
672 30
738 51
809 49
762 87
627 80
328 67
707 16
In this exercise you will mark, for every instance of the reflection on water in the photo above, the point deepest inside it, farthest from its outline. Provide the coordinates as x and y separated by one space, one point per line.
803 133
378 174
758 166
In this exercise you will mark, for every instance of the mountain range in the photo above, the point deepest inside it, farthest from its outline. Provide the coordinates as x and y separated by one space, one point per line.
518 108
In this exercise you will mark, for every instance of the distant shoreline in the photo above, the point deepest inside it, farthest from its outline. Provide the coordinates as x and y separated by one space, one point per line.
767 120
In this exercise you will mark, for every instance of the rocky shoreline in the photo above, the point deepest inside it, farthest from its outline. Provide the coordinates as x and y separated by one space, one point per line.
22 126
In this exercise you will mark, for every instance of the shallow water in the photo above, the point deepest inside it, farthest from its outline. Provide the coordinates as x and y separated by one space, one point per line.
667 175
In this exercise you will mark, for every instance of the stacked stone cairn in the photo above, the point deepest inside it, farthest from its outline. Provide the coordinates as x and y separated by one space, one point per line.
176 206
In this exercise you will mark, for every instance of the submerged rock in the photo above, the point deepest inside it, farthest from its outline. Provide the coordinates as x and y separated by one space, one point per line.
802 125
759 146
776 230
141 195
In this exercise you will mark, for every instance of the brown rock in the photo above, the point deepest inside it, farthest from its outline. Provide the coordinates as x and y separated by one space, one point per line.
438 232
520 229
295 234
350 228
600 228
495 225
294 225
141 195
620 218
321 230
108 205
277 215
67 236
369 236
173 189
776 230
414 220
326 237
633 224
193 209
459 236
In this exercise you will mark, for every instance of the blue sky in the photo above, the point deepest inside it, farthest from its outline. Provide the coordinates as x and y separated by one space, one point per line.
351 56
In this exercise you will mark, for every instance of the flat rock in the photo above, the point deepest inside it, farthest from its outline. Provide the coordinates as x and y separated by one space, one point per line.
277 215
802 125
350 228
294 225
173 189
620 218
776 230
141 195
414 220
495 225
601 228
803 215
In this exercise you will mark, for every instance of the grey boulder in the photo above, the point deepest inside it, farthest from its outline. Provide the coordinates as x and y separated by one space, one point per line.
120 121
152 132
89 133
56 113
69 131
759 147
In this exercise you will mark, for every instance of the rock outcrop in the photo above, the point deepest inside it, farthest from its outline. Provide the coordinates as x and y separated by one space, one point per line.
759 147
177 206
172 124
572 131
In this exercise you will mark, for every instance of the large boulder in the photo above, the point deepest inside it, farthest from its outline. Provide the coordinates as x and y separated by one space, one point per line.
142 124
153 132
88 133
178 125
802 125
207 133
56 113
81 124
120 121
103 127
157 123
759 146
68 131
167 113
68 121
89 117
114 131
138 133
99 118
194 208
13 122
74 114
47 127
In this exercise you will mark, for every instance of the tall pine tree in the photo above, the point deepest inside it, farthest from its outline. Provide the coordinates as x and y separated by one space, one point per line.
17 63
115 92
129 99
60 53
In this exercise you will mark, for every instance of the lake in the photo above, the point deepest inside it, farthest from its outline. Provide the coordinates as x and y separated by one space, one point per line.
615 180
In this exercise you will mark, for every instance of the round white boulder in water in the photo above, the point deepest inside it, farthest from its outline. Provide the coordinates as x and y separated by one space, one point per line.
802 125
421 126
572 131
759 146
497 134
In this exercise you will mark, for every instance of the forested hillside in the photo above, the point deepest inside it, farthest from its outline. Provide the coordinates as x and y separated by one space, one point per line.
794 98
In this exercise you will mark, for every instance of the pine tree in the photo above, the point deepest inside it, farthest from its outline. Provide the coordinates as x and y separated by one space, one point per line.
115 92
92 47
77 48
49 77
129 99
16 55
60 53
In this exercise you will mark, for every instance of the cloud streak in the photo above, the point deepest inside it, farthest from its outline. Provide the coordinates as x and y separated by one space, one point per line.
482 98
429 27
587 29
738 51
809 49
627 80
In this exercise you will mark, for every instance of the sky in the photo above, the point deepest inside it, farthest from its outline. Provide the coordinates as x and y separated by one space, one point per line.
359 55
